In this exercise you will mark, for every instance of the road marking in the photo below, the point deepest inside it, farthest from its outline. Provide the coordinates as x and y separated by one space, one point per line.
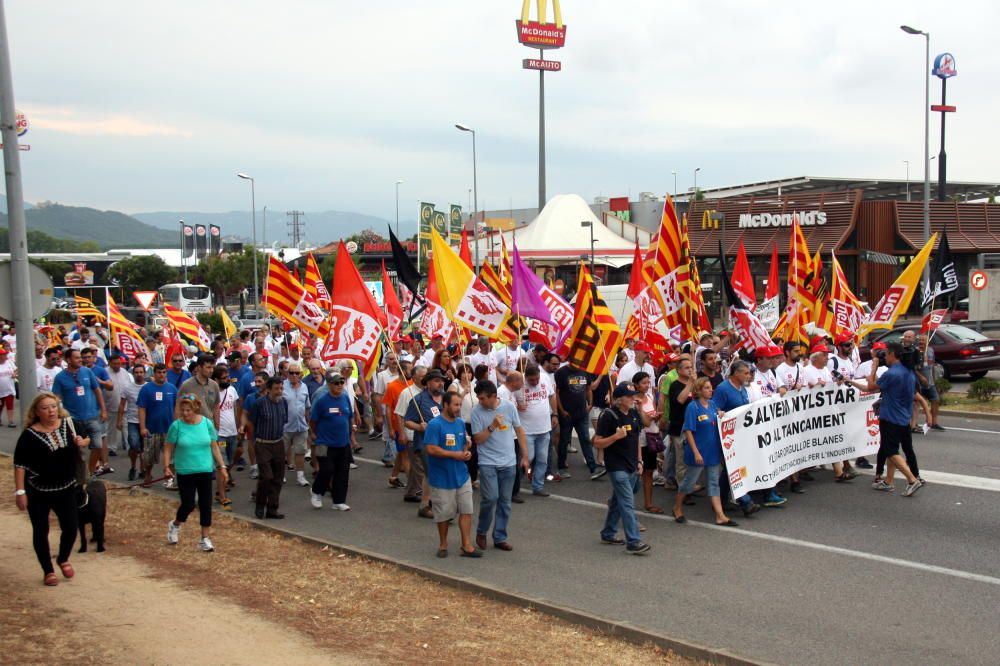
985 432
958 480
919 566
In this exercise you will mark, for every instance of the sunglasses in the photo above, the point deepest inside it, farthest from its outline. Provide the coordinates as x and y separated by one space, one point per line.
293 372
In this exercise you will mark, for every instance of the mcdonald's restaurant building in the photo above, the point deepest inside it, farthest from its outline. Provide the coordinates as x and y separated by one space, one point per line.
875 228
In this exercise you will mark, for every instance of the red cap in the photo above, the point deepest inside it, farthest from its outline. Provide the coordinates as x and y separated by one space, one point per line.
879 345
724 334
293 346
643 347
843 337
437 337
819 348
771 351
671 357
3 351
407 339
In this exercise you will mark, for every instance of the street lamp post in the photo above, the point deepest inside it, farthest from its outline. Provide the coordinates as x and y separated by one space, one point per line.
907 163
674 174
398 182
253 218
590 226
183 259
927 136
475 189
695 193
263 227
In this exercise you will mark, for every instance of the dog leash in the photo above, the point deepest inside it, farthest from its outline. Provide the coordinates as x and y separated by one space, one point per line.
141 484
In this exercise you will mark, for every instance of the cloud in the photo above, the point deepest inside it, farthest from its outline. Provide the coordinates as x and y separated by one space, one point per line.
71 120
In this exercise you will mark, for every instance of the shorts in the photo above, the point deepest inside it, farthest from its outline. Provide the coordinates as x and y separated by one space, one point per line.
297 442
229 443
648 459
446 503
595 413
152 446
132 437
930 393
90 428
892 436
711 478
399 447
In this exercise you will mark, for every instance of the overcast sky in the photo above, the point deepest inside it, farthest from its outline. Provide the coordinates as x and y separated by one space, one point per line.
141 106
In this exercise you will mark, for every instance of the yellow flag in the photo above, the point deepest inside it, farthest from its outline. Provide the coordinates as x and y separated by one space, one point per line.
897 298
228 327
466 300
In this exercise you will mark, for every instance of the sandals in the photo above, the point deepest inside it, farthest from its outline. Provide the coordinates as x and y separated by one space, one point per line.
728 523
679 519
653 509
442 552
51 580
475 552
67 570
843 478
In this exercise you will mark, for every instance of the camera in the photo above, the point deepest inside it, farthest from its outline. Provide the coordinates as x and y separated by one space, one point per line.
837 375
880 355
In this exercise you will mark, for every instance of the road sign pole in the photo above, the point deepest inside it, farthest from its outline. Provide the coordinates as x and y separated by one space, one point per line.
20 283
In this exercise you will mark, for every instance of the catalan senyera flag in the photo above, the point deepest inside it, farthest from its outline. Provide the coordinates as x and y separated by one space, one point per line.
288 299
465 299
801 296
672 269
188 326
845 306
697 315
125 335
897 298
228 327
314 283
86 308
596 337
356 321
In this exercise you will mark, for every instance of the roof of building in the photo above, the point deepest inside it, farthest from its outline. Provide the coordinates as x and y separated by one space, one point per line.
873 188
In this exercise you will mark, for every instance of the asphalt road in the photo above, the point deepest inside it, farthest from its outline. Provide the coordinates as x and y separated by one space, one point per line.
841 575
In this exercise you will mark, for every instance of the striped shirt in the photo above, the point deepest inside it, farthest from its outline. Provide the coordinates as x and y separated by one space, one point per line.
268 418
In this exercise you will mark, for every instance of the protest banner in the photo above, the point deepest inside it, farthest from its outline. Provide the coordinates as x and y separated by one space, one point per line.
766 441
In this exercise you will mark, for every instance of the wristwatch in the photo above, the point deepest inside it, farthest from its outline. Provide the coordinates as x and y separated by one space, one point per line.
18 493
491 429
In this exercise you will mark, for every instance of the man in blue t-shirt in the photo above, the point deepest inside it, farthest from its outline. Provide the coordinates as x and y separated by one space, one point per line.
425 406
177 374
330 421
447 474
156 412
82 397
729 395
898 386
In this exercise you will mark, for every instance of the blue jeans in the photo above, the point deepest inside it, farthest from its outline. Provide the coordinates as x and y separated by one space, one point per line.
621 506
134 437
538 459
496 484
580 423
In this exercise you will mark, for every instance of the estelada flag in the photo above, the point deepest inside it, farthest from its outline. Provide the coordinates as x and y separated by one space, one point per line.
356 321
393 308
188 327
288 299
595 339
896 299
465 299
314 283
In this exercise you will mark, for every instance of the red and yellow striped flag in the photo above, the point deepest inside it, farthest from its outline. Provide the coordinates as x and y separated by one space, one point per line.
596 337
314 284
86 308
287 298
671 274
125 335
188 326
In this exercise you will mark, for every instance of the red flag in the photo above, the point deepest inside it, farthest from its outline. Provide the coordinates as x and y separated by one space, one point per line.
392 306
772 276
637 281
932 320
463 251
356 321
742 280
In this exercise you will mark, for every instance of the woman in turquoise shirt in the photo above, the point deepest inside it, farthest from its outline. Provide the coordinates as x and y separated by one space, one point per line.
192 446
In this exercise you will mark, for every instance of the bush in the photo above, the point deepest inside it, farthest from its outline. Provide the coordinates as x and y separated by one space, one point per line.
943 386
984 390
211 320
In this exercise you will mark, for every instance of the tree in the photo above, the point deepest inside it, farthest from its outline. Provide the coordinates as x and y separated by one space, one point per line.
366 236
56 270
231 273
144 273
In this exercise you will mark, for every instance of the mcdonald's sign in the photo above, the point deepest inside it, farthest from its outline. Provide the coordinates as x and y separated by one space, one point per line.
539 34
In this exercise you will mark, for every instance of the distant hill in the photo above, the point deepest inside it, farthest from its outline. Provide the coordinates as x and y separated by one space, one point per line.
109 229
320 228
3 204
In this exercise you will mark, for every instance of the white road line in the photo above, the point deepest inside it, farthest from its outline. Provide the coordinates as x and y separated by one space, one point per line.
948 479
919 566
985 432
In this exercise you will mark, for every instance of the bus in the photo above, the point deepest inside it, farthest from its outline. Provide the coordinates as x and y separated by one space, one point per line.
187 297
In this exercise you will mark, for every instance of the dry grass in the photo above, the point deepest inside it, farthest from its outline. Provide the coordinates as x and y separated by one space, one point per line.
350 605
960 402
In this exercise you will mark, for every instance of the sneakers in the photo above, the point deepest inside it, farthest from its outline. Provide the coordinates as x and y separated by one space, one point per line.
640 548
659 479
132 474
206 545
254 472
751 509
614 541
171 483
340 507
101 470
300 479
912 488
937 426
573 449
774 500
173 533
882 486
564 474
863 463
540 493
354 466
598 473
316 500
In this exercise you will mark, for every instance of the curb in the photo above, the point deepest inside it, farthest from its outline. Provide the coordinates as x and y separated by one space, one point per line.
624 630
969 415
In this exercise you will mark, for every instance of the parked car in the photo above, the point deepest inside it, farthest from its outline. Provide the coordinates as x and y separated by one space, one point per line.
961 311
958 349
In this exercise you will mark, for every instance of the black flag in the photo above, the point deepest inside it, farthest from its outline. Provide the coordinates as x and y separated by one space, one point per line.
943 277
405 270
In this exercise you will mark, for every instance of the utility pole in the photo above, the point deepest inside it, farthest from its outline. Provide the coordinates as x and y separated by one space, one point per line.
295 226
20 283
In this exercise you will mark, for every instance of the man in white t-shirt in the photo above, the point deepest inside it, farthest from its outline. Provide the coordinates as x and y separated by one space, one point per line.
639 364
46 373
509 359
816 372
437 344
382 380
842 361
790 370
484 356
536 406
506 391
765 382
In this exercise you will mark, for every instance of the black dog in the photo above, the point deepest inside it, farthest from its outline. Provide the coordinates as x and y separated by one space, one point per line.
94 513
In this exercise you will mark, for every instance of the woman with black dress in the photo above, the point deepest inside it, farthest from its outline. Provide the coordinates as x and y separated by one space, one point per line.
45 461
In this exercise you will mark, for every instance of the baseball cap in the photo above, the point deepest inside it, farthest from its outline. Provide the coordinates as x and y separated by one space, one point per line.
771 351
819 348
671 357
234 356
293 346
334 377
624 389
879 345
643 347
843 337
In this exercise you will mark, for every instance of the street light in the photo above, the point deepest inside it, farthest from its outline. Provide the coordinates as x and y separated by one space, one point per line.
398 183
590 225
696 181
475 189
674 174
927 136
907 163
253 218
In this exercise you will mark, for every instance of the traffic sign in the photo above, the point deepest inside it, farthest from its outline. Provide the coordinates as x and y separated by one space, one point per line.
145 299
978 280
41 291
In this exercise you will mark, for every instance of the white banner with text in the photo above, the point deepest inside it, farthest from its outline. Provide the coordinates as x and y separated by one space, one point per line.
766 441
